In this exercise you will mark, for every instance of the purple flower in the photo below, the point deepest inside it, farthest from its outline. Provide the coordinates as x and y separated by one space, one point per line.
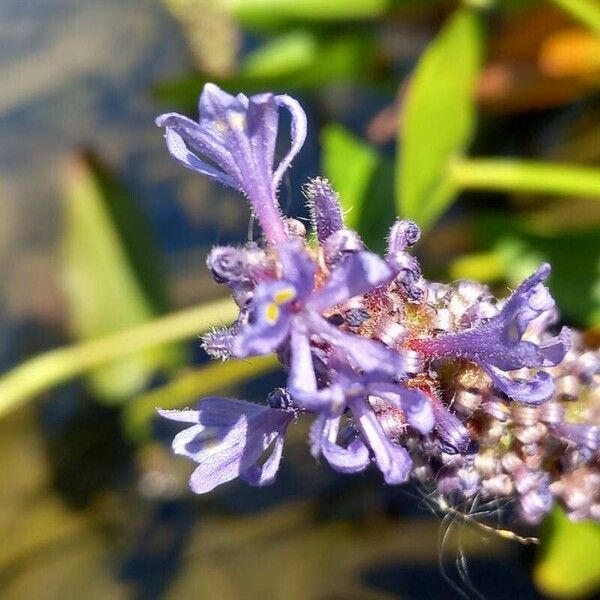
453 434
580 434
324 206
234 143
227 439
392 459
497 345
405 234
347 389
351 457
288 311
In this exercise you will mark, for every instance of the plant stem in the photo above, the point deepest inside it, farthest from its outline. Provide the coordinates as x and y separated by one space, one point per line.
526 176
56 366
586 12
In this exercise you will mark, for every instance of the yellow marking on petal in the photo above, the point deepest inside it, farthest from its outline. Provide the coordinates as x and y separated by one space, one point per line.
272 313
237 121
220 126
284 295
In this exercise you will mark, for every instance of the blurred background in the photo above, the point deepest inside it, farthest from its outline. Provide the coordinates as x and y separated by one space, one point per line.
480 120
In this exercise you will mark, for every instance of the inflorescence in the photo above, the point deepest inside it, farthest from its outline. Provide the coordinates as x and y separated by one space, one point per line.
443 384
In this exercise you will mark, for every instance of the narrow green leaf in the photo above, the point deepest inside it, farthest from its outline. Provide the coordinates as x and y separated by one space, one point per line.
438 119
364 182
526 176
46 370
283 55
188 388
586 12
265 12
294 62
110 273
518 249
568 565
349 164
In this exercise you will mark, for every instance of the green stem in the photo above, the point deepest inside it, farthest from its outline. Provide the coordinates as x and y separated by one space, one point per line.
526 176
586 12
56 366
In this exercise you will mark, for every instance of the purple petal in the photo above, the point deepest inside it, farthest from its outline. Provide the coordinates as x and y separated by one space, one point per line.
528 302
403 234
298 135
324 207
351 459
580 434
497 347
229 437
297 268
358 274
555 349
537 390
454 434
262 122
203 142
178 149
413 403
302 374
266 473
302 381
214 102
269 321
393 460
183 416
367 355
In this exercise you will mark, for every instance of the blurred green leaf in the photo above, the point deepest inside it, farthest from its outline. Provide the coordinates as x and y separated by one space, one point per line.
438 119
363 181
267 12
510 259
515 249
349 164
283 55
586 12
186 389
568 565
51 368
111 274
526 176
306 63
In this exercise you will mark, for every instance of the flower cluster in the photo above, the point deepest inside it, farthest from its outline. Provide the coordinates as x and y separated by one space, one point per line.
439 383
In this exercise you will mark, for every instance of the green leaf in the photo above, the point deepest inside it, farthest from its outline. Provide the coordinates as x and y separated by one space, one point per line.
42 372
281 56
340 150
438 120
294 62
111 276
266 12
587 12
365 189
188 387
568 565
